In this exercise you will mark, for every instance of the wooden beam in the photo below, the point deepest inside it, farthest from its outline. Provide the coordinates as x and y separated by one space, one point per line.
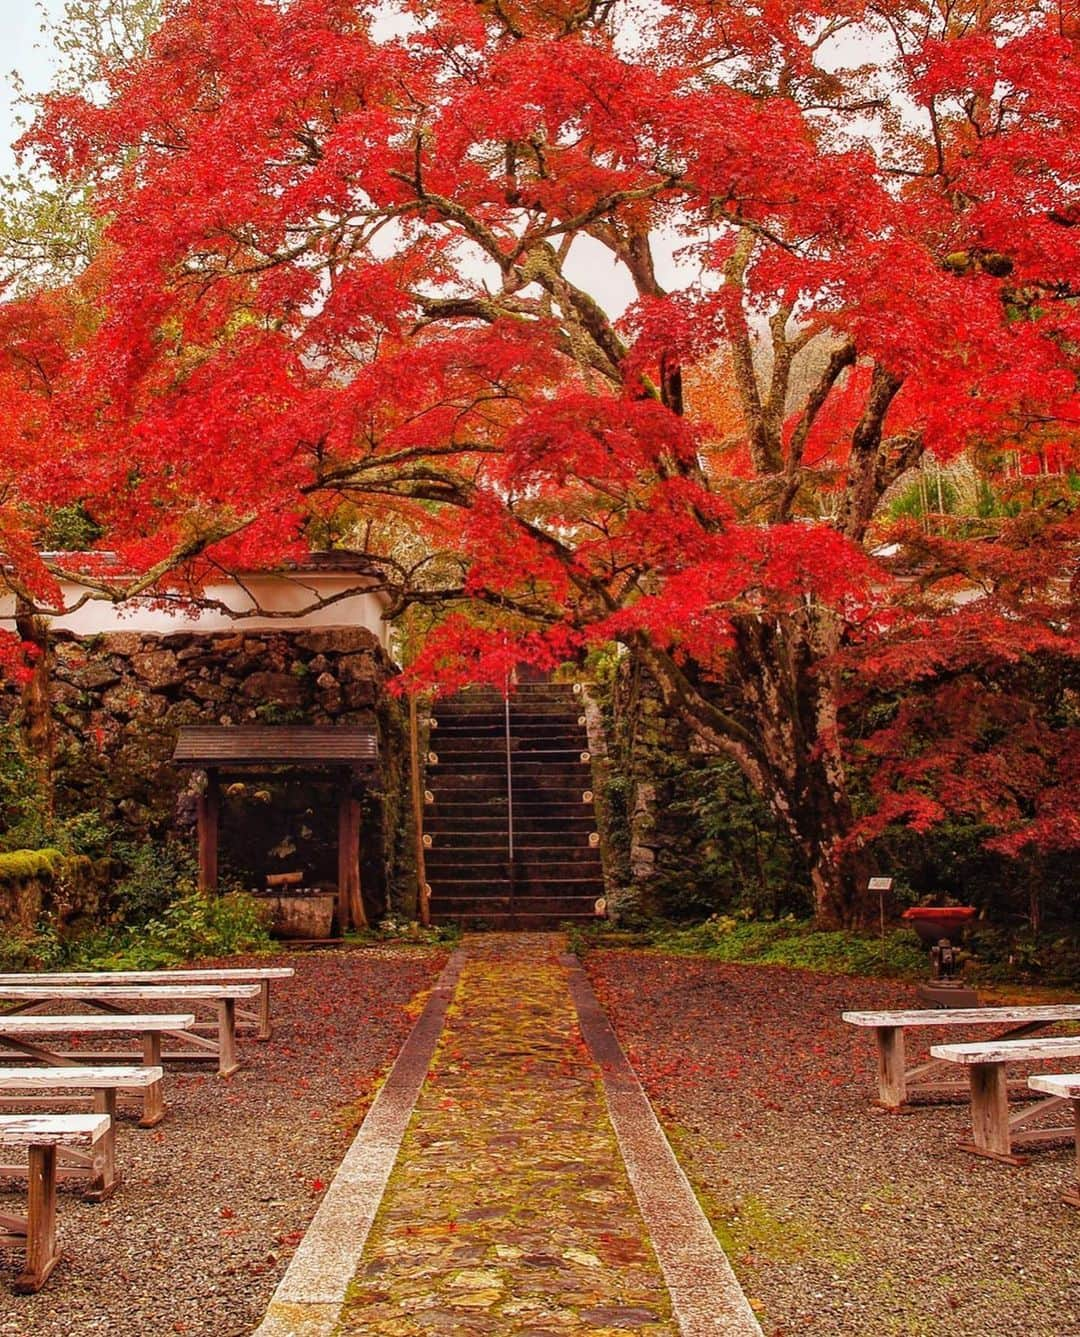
357 917
209 811
344 838
350 902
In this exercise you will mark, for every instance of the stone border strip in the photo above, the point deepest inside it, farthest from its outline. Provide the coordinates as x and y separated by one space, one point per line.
309 1298
705 1295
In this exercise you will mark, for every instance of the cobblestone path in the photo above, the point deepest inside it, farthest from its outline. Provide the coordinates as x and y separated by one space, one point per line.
509 1210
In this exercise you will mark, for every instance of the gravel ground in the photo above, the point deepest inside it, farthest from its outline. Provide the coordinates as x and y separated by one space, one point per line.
215 1200
838 1218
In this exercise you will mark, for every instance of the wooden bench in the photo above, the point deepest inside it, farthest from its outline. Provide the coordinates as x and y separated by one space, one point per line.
1065 1086
221 1047
994 1132
261 975
104 1085
896 1082
15 1030
42 1135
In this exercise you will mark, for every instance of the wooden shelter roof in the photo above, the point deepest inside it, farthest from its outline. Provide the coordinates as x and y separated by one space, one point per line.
275 744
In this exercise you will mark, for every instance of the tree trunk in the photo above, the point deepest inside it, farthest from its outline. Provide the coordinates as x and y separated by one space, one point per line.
36 722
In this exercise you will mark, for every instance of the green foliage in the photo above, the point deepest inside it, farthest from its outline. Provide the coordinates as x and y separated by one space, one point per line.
406 930
931 494
192 928
154 870
70 529
195 926
27 820
993 956
732 856
1002 957
783 942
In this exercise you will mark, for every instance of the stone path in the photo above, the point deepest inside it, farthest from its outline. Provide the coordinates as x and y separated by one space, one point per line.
509 1209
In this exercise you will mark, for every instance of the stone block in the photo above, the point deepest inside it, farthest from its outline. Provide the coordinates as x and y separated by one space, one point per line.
336 640
279 688
158 668
124 700
358 694
95 677
124 643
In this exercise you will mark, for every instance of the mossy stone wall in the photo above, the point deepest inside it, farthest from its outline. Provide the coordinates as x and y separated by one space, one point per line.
119 700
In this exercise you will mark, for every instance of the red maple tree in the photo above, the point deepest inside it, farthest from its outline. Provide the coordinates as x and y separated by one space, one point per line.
631 320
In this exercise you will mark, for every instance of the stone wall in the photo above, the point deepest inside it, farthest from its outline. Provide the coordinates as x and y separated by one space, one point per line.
684 835
119 699
38 885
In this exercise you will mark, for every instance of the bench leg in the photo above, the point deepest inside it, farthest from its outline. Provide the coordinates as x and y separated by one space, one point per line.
104 1178
990 1115
227 1060
153 1097
1072 1195
892 1084
264 1032
42 1253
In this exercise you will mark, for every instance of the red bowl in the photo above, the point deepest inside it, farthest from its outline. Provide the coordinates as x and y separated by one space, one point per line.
934 922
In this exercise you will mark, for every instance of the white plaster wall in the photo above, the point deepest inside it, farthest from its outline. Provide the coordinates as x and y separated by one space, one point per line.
277 593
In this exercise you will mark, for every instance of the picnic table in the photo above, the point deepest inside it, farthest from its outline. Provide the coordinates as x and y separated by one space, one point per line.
995 1133
261 975
104 1084
31 998
896 1082
15 1030
42 1135
1066 1085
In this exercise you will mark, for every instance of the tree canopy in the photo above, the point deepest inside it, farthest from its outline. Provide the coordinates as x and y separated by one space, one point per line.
604 321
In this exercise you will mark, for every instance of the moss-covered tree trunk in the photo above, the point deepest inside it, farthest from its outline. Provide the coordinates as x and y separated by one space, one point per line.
36 718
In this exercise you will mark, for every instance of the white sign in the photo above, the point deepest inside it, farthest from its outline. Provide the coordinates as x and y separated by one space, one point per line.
880 884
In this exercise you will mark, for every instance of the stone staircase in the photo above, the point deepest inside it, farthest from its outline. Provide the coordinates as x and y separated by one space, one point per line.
555 875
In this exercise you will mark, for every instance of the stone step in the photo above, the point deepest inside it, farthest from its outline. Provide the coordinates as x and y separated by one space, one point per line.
526 775
495 886
536 712
528 867
477 823
548 810
552 751
495 837
512 923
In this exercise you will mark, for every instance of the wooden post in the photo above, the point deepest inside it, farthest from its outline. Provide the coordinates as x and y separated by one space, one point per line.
350 901
227 1060
344 869
423 902
153 1096
990 1112
104 1181
42 1255
265 1030
356 899
892 1083
209 817
1072 1195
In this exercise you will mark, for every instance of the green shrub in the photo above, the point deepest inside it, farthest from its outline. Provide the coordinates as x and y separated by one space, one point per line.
154 873
795 942
194 926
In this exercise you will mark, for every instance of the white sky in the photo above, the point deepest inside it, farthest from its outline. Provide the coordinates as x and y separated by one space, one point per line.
22 48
